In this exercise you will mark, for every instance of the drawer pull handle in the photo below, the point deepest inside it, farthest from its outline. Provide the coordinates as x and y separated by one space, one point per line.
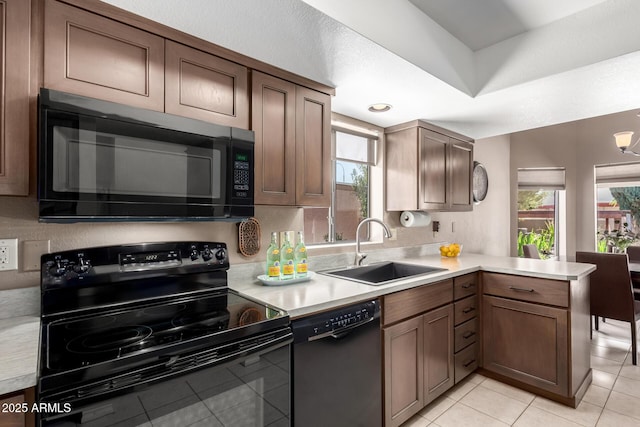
468 334
468 310
469 363
468 285
513 288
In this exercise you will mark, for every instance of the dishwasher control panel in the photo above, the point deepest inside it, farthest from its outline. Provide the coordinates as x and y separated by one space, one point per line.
335 320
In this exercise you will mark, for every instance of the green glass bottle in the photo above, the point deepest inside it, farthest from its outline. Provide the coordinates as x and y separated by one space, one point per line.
273 258
301 257
286 257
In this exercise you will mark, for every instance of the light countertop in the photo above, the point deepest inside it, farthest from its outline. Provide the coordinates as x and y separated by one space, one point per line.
325 292
20 335
19 340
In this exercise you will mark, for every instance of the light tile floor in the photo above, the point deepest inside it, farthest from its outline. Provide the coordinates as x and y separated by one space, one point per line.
612 400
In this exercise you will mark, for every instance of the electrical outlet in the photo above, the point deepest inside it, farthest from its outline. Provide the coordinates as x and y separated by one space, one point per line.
8 254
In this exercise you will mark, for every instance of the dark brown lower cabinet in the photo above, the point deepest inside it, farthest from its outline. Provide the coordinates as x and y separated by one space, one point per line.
16 409
418 355
527 342
403 373
535 334
438 352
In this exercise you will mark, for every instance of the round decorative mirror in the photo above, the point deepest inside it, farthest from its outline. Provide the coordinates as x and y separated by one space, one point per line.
480 182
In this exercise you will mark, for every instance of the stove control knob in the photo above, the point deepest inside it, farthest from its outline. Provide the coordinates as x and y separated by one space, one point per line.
194 253
58 268
206 254
221 254
82 266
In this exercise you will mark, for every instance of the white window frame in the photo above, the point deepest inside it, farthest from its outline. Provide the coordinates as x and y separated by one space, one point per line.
376 208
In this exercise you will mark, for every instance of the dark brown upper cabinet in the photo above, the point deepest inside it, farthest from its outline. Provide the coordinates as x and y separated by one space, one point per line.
205 87
90 55
14 97
427 168
293 143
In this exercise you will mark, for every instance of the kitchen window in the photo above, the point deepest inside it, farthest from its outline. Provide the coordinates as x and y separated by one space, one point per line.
355 174
617 206
541 207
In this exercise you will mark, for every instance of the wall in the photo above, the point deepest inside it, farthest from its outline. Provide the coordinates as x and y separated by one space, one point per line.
553 146
484 230
577 146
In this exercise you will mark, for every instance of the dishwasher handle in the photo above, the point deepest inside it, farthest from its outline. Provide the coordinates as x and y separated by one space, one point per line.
341 332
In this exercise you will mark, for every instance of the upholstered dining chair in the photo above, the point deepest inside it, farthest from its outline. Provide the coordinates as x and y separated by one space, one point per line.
634 253
611 291
531 251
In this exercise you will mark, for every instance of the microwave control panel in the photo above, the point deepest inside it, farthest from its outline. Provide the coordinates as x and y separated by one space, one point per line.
242 176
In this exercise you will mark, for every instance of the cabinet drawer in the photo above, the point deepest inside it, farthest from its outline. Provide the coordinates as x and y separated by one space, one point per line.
466 362
405 304
465 309
465 334
464 286
544 291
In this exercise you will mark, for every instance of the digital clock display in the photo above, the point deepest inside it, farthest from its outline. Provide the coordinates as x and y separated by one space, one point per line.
148 257
242 157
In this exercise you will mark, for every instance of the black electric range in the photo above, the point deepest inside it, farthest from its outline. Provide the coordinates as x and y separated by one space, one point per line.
120 320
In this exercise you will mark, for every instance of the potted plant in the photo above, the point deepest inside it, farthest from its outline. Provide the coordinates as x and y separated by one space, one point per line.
618 240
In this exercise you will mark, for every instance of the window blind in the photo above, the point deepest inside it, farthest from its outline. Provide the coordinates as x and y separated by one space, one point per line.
620 173
541 179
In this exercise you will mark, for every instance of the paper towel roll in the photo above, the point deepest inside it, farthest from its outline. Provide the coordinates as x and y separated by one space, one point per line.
415 219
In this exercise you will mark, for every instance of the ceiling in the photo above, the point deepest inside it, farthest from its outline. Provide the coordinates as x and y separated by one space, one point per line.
478 67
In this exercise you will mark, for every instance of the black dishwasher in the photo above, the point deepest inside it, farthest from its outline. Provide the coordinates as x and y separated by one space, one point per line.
337 370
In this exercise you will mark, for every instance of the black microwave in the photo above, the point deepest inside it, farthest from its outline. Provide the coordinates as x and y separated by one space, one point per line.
102 161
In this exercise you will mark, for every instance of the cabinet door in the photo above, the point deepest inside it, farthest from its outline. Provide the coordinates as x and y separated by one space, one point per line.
438 352
13 417
461 175
90 55
403 370
527 342
401 170
433 183
313 148
14 97
273 121
205 87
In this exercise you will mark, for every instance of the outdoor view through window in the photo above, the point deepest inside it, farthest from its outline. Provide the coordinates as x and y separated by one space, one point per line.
618 218
537 219
350 194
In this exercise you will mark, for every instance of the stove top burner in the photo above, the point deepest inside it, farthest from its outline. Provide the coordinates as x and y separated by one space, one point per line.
109 340
141 328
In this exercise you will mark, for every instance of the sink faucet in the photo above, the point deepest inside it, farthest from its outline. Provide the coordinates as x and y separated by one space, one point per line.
359 255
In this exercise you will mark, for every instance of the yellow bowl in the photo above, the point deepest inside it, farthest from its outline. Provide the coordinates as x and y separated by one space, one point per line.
451 251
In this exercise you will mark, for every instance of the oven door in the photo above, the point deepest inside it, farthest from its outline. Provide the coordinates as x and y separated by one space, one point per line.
250 387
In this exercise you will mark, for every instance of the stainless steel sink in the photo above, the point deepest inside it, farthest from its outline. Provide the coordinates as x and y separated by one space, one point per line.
382 273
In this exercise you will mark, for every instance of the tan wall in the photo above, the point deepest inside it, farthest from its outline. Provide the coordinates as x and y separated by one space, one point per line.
484 230
577 146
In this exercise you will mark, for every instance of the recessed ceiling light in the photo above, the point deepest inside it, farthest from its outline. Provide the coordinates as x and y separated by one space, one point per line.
379 108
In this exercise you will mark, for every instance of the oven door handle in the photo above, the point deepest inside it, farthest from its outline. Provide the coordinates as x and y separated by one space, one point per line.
171 361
